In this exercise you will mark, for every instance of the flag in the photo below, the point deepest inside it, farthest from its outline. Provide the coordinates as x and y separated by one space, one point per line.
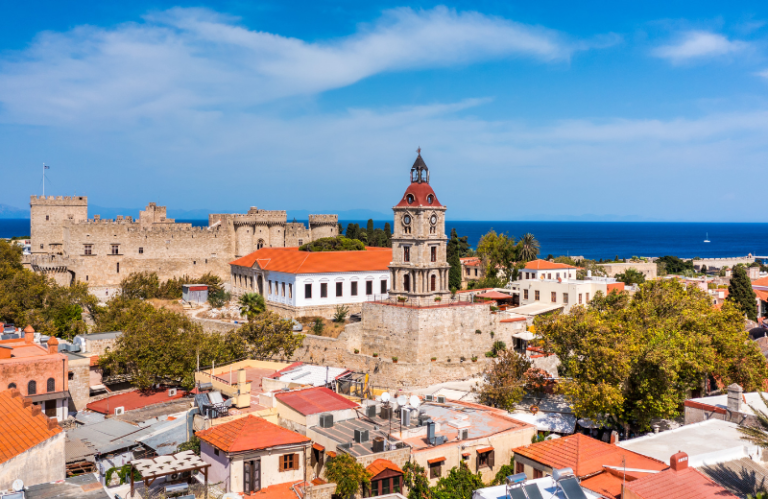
46 167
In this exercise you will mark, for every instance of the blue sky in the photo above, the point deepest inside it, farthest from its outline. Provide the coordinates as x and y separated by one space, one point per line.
526 110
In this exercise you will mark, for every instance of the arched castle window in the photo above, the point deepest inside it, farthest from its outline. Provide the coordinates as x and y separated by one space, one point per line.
12 386
260 244
31 388
51 385
433 282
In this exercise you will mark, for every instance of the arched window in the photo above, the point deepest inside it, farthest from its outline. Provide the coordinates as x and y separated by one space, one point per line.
407 282
52 382
260 244
12 386
433 284
31 388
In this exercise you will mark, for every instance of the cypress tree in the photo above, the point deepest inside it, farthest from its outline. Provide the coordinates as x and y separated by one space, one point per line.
371 236
388 234
741 293
351 234
452 252
341 229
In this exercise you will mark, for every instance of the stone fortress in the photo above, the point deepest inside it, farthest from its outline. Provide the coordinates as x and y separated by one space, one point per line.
70 247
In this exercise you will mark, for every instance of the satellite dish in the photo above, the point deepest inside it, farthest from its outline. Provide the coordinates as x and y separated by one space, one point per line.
385 397
402 400
414 401
17 485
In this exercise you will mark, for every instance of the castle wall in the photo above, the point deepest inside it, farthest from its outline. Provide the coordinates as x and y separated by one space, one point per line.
48 214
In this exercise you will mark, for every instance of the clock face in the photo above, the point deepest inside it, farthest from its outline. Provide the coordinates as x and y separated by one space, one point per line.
433 219
407 219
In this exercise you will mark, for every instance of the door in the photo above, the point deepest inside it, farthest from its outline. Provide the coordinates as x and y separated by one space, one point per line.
252 476
50 408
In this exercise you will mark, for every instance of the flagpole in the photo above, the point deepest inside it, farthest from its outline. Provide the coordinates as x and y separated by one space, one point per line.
43 179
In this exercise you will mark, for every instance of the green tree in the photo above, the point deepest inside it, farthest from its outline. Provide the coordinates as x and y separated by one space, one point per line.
140 285
270 336
351 232
631 276
528 247
371 236
740 292
505 471
252 305
347 474
498 253
339 243
503 383
219 298
416 481
635 359
341 313
318 327
674 265
703 269
388 234
341 229
459 484
192 444
453 252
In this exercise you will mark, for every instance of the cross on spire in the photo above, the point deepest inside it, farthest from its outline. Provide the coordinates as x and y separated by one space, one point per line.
418 151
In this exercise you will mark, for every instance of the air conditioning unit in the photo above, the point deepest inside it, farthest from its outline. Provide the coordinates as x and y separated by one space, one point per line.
172 392
463 434
370 411
429 398
386 412
378 444
441 399
119 411
345 446
326 420
361 436
405 417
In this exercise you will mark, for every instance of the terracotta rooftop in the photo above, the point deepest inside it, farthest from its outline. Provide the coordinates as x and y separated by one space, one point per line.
421 192
547 265
21 426
133 400
293 261
585 455
688 483
249 433
315 400
380 465
279 491
610 482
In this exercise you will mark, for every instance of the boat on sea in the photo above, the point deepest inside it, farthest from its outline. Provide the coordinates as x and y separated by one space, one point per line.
706 239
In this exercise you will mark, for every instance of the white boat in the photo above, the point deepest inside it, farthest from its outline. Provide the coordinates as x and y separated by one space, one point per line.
706 239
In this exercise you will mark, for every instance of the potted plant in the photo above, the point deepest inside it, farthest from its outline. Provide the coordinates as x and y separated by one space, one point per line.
402 299
394 359
492 334
474 358
433 359
438 299
375 355
357 351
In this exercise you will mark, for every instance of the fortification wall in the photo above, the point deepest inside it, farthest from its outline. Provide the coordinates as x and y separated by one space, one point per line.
323 226
47 216
296 234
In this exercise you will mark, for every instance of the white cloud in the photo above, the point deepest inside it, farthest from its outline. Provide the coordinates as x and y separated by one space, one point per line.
697 45
184 59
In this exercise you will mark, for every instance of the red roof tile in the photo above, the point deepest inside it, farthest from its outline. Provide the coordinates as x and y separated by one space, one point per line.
20 430
684 484
436 460
484 450
133 400
379 465
760 282
514 319
249 433
547 265
609 482
495 295
279 491
420 192
585 455
315 400
293 261
318 447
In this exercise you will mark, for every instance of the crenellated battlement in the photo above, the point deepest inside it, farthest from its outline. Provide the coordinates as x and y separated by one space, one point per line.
58 200
323 220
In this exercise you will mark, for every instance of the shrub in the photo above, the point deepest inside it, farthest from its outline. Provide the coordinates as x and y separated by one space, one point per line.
338 243
357 351
433 359
375 355
218 298
477 331
341 313
497 347
318 327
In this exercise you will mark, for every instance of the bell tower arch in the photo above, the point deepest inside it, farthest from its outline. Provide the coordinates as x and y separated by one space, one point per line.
419 263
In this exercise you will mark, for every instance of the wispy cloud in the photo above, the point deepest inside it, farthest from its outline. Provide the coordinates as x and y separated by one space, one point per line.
698 45
183 59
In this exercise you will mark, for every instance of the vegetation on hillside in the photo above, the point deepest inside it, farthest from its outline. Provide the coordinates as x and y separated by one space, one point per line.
147 285
370 236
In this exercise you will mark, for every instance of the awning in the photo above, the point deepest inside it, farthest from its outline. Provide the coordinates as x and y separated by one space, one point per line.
436 460
484 450
330 453
524 335
465 454
495 295
318 447
48 396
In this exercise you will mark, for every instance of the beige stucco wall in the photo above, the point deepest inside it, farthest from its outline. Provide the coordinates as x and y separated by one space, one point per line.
80 384
42 463
648 269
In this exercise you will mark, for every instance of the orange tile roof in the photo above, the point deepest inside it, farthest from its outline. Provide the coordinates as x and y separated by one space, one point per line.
379 465
547 265
610 482
471 261
331 453
436 460
763 295
684 484
21 428
484 449
585 455
514 319
763 281
279 491
293 261
249 433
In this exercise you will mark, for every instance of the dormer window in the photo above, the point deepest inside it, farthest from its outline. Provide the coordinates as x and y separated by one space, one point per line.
409 198
430 199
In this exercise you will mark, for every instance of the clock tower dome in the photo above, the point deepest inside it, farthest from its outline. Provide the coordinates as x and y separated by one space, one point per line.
419 266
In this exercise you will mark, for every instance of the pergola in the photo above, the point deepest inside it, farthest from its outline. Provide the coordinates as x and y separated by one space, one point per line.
152 469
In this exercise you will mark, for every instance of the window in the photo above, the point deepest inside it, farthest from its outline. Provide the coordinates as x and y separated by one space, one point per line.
554 297
475 272
549 276
433 282
70 376
433 253
141 252
537 295
435 469
407 282
384 287
86 278
407 254
468 271
485 459
353 288
47 218
307 291
88 249
323 290
51 385
289 462
12 386
117 267
282 289
301 242
260 244
565 298
587 297
525 294
339 288
538 474
579 298
519 468
31 388
290 290
49 407
368 287
270 287
215 451
115 249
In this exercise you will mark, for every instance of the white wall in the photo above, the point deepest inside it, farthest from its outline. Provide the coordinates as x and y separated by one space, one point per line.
548 274
573 288
346 278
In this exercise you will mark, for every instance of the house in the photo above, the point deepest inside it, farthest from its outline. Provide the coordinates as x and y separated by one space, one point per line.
31 443
472 270
386 478
303 283
251 453
648 269
735 406
302 409
38 371
599 465
760 286
544 269
554 288
679 481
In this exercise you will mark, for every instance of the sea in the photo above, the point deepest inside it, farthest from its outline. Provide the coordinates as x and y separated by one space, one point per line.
593 240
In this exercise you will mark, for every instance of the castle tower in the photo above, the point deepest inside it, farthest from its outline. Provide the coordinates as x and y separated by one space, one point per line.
419 267
49 215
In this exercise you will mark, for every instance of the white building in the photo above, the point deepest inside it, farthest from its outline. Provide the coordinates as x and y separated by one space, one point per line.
301 283
544 269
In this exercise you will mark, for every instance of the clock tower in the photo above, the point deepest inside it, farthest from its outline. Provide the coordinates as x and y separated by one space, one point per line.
419 264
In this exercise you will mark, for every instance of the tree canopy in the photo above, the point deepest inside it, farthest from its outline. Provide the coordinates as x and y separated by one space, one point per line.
347 474
338 243
740 292
504 381
635 359
251 305
498 253
631 276
457 247
147 285
673 265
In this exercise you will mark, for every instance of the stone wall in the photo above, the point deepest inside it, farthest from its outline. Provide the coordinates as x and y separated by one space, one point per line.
647 269
43 463
47 217
80 384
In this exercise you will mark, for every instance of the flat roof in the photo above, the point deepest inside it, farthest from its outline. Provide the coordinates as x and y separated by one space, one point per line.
83 486
547 488
708 442
315 400
535 308
343 432
101 336
749 400
306 374
547 421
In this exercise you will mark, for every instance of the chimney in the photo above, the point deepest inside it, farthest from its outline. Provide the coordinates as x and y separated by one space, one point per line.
679 461
29 335
26 403
53 423
36 410
614 437
734 398
53 345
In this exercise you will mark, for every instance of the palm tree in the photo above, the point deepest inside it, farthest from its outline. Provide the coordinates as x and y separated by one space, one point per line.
529 247
251 305
758 434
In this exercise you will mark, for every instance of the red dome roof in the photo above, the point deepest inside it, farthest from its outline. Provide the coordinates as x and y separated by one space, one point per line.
420 195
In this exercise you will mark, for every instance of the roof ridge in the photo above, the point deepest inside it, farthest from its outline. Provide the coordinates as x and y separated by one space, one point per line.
298 267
